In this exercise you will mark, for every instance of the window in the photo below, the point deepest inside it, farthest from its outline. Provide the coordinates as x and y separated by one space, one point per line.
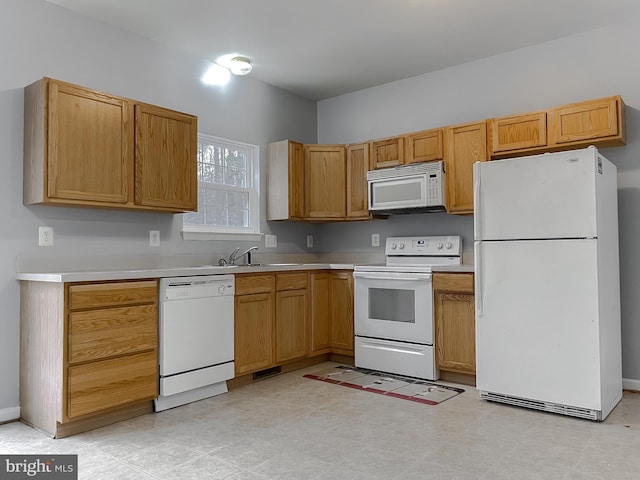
228 191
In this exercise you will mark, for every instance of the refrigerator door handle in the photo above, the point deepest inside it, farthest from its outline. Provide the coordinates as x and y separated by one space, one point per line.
477 227
478 278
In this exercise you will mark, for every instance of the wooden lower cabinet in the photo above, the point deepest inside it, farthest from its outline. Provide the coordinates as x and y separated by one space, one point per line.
320 313
254 315
292 316
332 312
454 316
254 327
341 301
271 320
88 353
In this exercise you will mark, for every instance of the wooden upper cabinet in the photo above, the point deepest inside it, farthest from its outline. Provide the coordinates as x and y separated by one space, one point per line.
598 121
424 146
78 146
518 133
88 148
387 152
464 145
325 180
357 167
285 180
166 148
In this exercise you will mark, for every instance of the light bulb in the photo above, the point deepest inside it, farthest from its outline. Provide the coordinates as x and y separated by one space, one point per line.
240 65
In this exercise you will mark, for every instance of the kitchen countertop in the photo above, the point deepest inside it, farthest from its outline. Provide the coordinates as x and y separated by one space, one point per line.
187 271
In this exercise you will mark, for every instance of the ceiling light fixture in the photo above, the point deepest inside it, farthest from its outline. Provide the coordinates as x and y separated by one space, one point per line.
240 66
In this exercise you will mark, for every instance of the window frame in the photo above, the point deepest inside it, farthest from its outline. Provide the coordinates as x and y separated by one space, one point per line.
251 233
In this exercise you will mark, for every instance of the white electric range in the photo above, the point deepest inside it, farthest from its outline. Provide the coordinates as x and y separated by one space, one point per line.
394 329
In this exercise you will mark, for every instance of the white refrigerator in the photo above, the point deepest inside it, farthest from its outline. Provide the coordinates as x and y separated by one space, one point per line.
547 284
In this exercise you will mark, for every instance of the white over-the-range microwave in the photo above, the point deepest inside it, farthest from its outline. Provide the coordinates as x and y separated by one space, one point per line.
407 188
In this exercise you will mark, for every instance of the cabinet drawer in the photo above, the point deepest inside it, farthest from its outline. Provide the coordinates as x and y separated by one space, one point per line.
248 284
291 281
110 294
108 383
453 282
98 334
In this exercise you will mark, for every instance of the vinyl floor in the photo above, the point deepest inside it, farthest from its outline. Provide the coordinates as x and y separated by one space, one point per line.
291 427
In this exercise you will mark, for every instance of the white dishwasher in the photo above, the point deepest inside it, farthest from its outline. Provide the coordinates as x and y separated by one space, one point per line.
196 338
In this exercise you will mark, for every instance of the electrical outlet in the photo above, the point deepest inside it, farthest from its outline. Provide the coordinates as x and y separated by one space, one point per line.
375 239
309 241
45 236
270 241
154 238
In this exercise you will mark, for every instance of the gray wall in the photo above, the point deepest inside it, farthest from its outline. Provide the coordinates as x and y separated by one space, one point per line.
40 39
591 65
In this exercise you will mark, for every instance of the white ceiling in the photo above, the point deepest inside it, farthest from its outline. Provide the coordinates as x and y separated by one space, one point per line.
323 48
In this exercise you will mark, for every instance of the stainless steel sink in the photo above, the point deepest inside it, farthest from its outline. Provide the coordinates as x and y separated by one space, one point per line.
214 267
266 264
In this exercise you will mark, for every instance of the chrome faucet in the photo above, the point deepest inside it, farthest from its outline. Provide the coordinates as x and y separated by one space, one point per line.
235 255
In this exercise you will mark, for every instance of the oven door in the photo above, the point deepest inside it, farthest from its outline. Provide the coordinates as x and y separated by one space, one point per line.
395 306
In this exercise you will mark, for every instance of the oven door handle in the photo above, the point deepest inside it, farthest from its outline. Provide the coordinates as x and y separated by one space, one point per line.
390 348
387 276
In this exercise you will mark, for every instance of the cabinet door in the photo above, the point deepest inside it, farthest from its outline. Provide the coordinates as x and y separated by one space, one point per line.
518 133
253 332
166 159
291 324
320 312
455 332
89 146
325 177
387 152
341 293
357 168
587 121
465 145
424 146
454 313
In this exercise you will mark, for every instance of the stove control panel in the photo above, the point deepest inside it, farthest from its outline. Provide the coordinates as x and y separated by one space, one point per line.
450 246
